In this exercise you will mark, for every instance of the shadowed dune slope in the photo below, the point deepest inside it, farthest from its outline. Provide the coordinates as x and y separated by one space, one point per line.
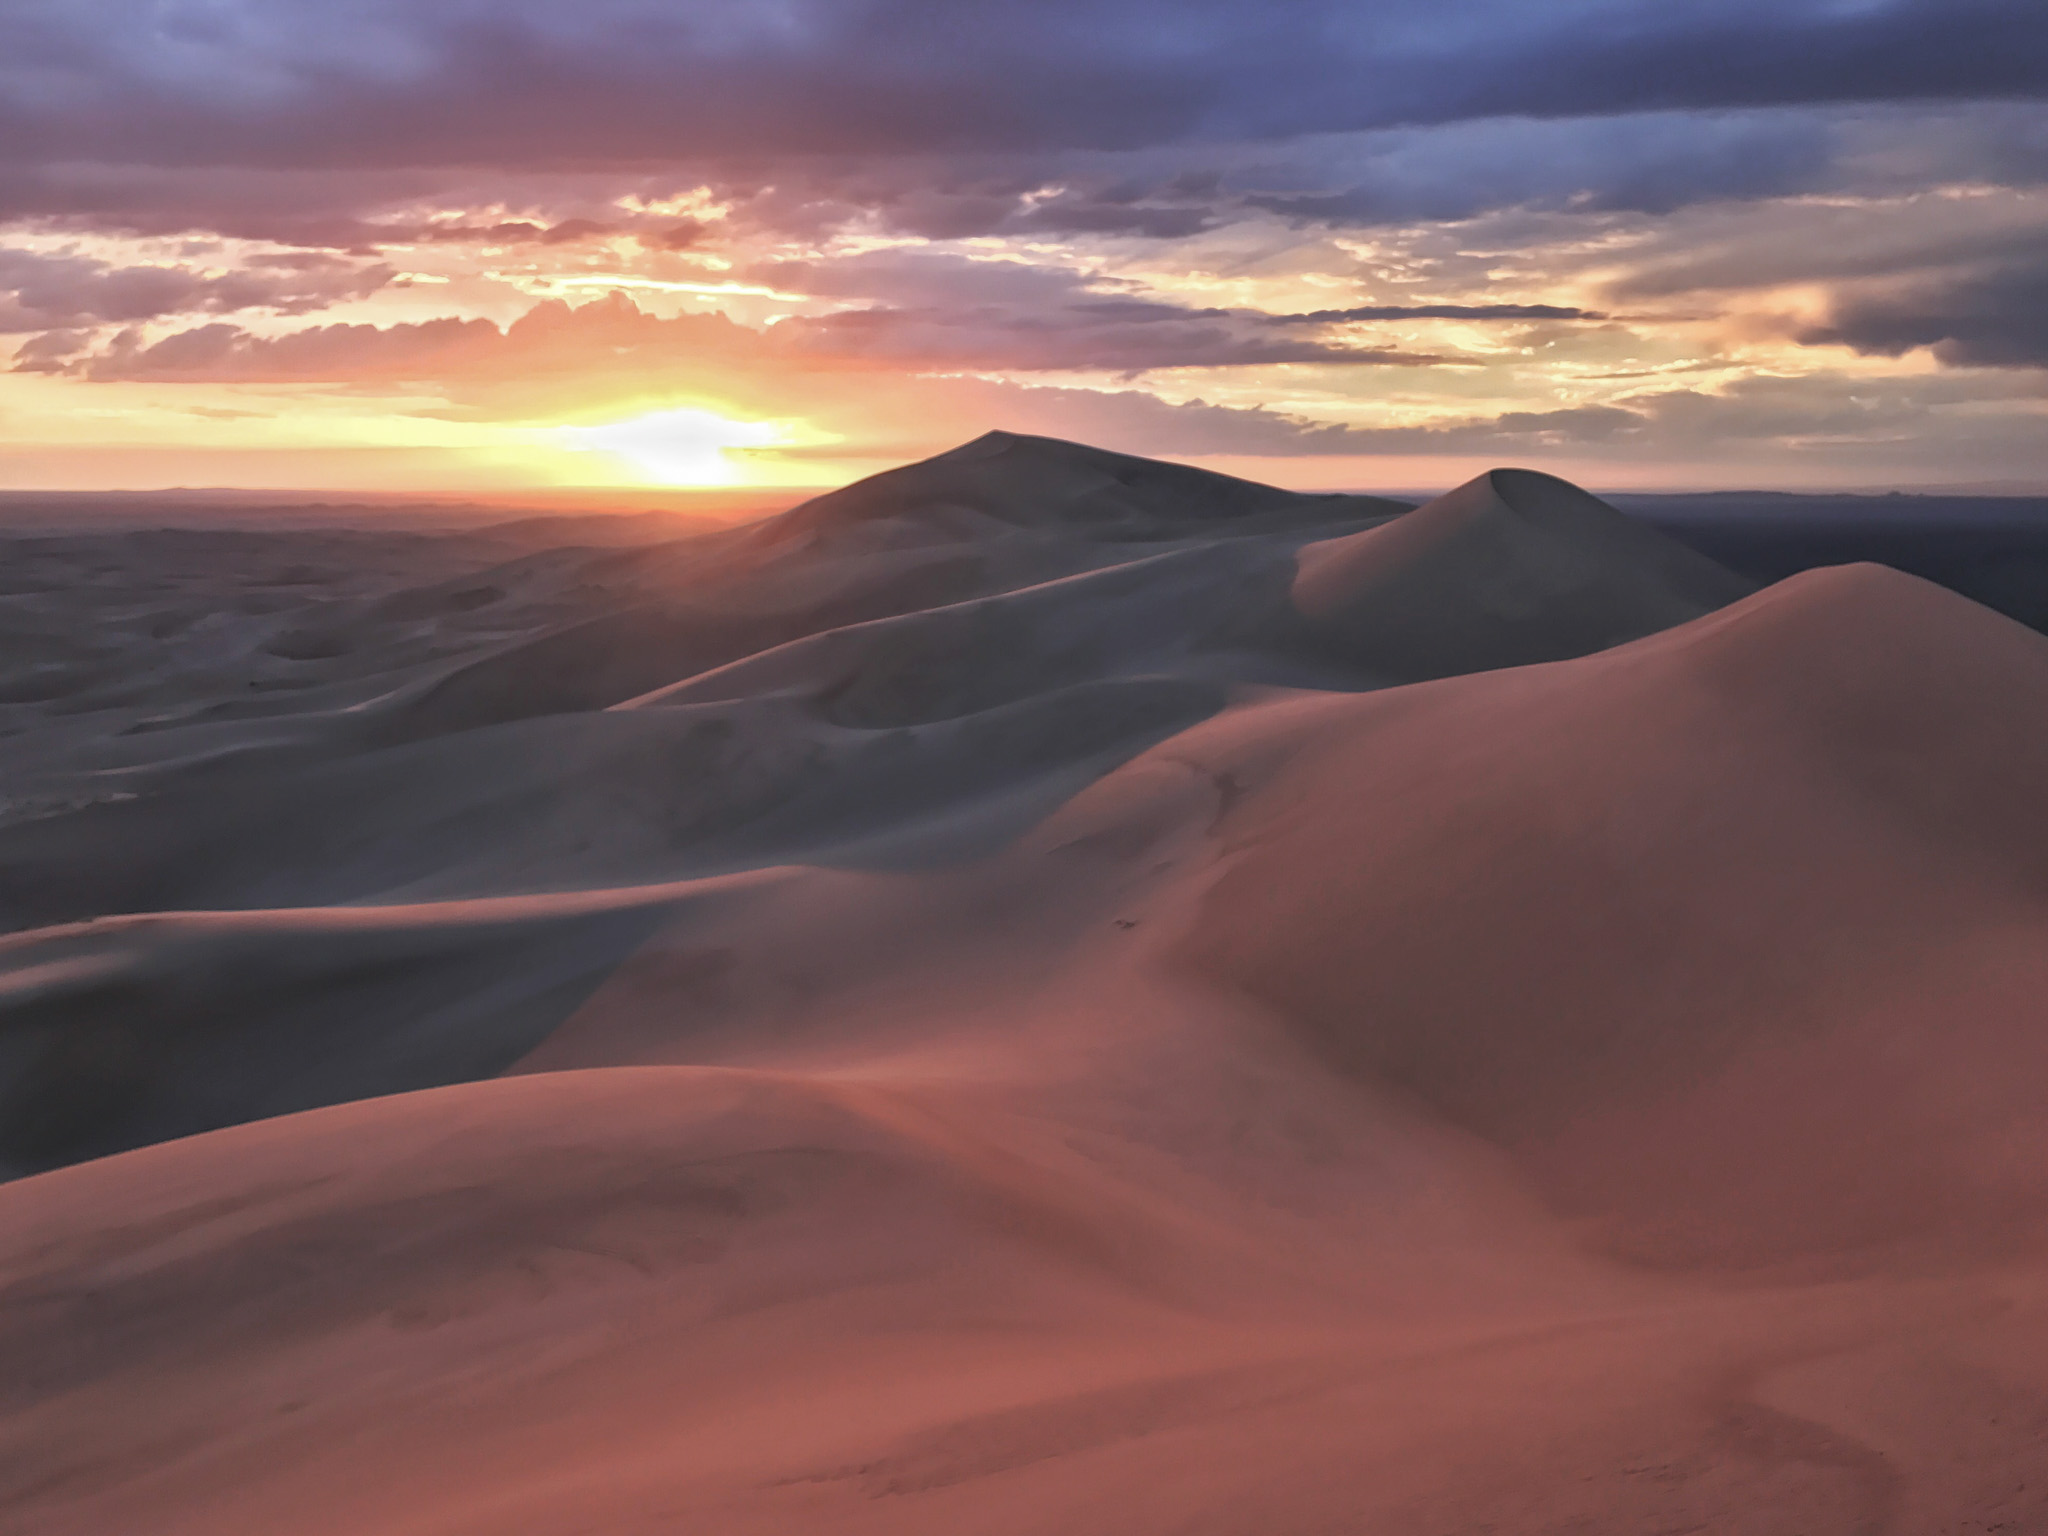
131 1031
424 777
1512 568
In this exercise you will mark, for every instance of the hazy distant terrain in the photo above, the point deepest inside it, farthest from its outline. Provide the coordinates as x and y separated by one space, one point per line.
1041 991
1992 549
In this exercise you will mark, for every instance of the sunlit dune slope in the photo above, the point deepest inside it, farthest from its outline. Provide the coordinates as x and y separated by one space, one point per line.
1734 934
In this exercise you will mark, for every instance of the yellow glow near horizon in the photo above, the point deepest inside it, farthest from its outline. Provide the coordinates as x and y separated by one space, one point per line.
678 447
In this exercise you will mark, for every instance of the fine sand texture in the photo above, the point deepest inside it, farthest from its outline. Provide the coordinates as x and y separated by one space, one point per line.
1039 993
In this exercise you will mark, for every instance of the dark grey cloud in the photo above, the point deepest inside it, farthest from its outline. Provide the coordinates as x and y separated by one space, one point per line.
1845 243
352 210
552 340
927 278
1758 419
1590 167
937 312
1121 337
1650 163
529 82
1072 215
940 288
1585 167
1112 337
1645 163
68 292
1762 413
1993 316
1440 312
331 210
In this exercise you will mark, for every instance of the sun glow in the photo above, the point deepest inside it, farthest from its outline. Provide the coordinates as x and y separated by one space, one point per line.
678 447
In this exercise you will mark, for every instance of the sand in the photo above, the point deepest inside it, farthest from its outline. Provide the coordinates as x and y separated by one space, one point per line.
1039 993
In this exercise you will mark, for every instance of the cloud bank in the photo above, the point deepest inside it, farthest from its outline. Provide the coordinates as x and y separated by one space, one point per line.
1408 228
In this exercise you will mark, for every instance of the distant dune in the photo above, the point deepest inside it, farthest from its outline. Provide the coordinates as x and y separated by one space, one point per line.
1040 992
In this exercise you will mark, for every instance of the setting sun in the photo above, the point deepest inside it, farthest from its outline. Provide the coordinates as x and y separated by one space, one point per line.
678 447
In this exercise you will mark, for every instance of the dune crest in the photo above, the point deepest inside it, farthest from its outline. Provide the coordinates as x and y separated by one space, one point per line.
1041 992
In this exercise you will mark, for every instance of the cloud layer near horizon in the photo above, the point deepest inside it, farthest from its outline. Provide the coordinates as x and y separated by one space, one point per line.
1594 231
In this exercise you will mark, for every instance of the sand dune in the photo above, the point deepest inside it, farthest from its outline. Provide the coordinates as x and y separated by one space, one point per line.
1721 932
1040 992
1513 568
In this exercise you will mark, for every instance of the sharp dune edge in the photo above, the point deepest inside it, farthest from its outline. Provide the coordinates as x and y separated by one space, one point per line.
1041 992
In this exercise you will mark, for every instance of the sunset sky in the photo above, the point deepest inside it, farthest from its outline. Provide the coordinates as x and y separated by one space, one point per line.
465 245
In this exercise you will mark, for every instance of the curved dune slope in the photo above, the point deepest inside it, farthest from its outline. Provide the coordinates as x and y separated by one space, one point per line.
1511 568
1467 1023
1734 936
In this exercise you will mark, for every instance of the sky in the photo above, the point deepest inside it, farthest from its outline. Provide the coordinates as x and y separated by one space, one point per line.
452 246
